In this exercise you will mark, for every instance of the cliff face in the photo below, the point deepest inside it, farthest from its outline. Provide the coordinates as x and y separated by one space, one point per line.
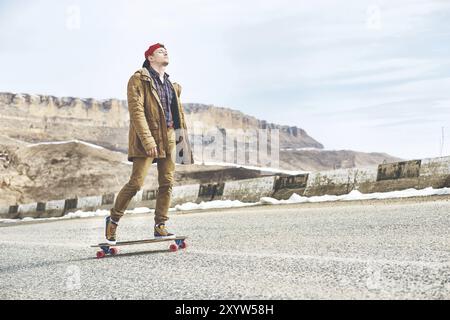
218 117
49 171
36 118
111 112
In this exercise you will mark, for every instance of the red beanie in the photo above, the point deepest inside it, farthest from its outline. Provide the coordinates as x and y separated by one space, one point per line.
152 49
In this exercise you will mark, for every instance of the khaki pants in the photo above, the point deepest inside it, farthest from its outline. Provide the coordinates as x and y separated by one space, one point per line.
166 169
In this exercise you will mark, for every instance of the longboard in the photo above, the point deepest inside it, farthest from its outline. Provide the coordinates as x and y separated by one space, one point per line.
110 249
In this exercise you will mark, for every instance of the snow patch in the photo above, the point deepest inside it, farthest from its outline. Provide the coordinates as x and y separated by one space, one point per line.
303 149
267 169
65 142
216 204
79 214
357 195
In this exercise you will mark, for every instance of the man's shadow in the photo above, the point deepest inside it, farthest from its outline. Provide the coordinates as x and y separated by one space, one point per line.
52 263
127 254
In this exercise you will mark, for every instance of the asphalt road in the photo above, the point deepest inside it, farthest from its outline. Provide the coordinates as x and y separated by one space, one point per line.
396 249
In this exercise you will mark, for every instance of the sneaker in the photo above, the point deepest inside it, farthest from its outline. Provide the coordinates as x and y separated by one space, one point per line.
162 233
110 230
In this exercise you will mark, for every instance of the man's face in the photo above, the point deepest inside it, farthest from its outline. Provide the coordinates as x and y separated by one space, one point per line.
160 57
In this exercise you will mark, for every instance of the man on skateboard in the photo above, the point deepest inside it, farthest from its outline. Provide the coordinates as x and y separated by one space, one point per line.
157 135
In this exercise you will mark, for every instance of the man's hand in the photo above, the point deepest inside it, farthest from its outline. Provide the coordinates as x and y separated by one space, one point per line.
152 153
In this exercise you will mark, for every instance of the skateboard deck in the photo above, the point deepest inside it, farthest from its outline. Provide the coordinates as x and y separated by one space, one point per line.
111 249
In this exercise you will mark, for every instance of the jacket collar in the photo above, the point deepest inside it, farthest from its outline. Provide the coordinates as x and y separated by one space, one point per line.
145 75
155 73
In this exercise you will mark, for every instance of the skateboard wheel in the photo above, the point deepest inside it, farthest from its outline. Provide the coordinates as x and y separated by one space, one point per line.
183 245
113 251
173 247
100 254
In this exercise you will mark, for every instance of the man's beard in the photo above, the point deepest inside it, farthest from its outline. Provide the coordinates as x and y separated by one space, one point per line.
165 64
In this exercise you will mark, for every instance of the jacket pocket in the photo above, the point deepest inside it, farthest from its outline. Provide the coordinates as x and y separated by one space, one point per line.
154 129
153 125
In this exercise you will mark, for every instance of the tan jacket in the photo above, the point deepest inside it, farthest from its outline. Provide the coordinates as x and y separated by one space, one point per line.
147 120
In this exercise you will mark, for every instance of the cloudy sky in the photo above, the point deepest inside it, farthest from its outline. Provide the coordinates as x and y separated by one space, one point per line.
363 75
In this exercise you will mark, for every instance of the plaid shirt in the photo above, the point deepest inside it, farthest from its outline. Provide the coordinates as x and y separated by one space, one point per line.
165 93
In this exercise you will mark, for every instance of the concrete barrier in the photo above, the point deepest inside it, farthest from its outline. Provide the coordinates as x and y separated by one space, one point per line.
248 190
435 166
88 203
55 208
138 196
14 212
149 194
136 200
383 178
185 193
210 191
285 186
25 209
399 170
108 199
71 205
4 212
180 194
332 182
419 174
41 207
148 199
435 172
